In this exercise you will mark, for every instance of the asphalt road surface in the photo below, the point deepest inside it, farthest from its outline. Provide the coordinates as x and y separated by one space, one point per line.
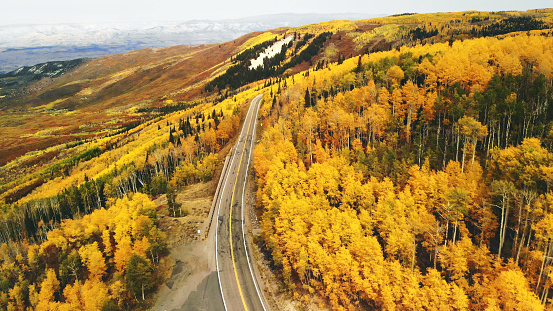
237 283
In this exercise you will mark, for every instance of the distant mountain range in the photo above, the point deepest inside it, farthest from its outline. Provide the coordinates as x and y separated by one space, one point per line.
26 45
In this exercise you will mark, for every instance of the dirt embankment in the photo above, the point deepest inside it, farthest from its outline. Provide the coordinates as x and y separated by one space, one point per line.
187 264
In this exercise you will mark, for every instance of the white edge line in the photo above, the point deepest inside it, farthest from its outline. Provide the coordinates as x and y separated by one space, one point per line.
219 208
243 219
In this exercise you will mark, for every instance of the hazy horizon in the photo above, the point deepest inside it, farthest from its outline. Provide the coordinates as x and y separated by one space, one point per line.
149 23
30 12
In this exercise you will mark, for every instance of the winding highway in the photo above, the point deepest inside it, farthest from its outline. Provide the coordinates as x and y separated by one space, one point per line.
237 282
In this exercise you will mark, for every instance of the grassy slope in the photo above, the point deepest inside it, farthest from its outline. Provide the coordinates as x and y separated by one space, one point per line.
105 94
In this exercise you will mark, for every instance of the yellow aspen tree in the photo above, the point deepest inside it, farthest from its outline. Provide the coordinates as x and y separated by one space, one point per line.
48 287
117 290
383 96
514 292
141 226
378 118
94 260
95 294
394 75
141 246
473 130
397 104
412 102
436 290
73 295
427 69
33 296
106 241
309 125
122 253
16 299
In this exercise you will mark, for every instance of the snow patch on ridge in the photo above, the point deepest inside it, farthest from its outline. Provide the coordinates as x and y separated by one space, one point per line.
270 52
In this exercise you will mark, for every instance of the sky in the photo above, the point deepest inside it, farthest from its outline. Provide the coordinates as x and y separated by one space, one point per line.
124 11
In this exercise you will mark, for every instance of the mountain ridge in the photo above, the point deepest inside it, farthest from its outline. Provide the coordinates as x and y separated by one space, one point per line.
27 45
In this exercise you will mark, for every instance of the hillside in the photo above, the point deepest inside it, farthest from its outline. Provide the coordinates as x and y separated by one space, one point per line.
108 94
144 78
27 45
18 80
403 162
416 177
103 95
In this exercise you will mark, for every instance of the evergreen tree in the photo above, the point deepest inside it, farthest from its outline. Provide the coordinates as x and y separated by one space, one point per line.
138 276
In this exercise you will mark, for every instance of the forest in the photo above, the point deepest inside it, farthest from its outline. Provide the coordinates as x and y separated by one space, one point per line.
239 74
417 178
403 162
87 237
158 158
513 24
100 261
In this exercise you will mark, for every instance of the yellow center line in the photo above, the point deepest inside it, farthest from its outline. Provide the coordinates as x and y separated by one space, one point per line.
230 219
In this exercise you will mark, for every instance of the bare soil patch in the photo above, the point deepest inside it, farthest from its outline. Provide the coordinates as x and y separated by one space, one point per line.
187 262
